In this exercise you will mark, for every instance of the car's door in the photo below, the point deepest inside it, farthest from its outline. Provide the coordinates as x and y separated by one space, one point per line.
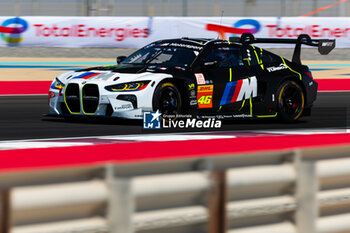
223 75
268 69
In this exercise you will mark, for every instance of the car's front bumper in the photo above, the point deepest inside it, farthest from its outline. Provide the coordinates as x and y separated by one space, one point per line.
110 104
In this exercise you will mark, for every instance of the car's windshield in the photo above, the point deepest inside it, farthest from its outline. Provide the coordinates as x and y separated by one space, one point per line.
162 56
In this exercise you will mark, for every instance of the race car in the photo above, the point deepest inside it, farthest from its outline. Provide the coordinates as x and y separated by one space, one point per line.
228 79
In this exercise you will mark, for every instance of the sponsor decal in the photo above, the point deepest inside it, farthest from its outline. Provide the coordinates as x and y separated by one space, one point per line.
247 22
312 30
162 44
238 90
234 116
187 46
180 68
193 102
327 44
193 95
239 27
242 116
149 46
151 120
280 67
105 77
205 96
11 30
84 31
86 75
200 78
124 106
191 86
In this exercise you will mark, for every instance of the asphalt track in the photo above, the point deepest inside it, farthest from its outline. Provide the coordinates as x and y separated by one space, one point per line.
21 117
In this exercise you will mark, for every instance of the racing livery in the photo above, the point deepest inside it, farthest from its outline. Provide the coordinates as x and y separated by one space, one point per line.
227 79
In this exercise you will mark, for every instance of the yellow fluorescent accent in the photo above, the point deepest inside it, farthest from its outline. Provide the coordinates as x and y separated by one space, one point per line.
230 74
262 65
247 60
257 57
219 108
82 105
64 96
242 105
58 86
291 69
265 116
251 106
127 87
131 89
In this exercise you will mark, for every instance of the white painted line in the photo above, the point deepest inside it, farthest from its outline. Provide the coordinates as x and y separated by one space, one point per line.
308 131
36 145
69 142
168 137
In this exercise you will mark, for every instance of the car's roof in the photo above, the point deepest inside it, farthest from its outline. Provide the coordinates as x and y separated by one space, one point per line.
189 40
191 43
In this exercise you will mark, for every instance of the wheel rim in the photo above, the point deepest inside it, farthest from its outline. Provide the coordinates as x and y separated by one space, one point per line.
292 100
169 101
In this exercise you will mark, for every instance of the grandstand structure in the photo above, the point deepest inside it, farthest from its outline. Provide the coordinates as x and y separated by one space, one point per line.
245 8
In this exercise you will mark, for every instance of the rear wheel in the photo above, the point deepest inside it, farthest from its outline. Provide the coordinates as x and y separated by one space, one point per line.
167 99
291 101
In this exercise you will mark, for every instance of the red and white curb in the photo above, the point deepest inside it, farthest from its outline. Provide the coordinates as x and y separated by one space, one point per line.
117 139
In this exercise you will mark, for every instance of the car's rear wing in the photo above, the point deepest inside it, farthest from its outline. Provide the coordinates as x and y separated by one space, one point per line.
325 46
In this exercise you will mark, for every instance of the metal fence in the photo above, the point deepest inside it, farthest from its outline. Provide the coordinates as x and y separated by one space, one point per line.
170 7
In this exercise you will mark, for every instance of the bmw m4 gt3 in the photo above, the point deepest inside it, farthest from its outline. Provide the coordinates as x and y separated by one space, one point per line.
198 76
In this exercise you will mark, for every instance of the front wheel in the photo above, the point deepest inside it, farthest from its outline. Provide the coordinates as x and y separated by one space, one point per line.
167 99
291 101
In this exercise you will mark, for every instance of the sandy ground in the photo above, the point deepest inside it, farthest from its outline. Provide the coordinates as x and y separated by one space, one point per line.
36 74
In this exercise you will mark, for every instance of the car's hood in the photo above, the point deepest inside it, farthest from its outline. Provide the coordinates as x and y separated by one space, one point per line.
110 74
117 68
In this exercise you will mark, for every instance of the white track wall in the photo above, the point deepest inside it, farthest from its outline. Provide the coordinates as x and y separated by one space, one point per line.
135 32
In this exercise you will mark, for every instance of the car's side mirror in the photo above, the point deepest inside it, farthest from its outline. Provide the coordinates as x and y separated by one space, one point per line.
120 59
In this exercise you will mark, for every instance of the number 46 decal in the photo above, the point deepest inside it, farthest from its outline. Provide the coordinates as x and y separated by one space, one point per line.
205 96
205 99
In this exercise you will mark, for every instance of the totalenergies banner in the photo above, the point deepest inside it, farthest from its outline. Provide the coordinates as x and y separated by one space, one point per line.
135 32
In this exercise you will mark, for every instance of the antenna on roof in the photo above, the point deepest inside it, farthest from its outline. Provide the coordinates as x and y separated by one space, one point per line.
222 14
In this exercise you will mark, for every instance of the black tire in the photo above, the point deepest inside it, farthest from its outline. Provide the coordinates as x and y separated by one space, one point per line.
167 99
291 101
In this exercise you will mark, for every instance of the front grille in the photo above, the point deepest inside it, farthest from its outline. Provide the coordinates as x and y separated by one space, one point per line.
91 97
72 97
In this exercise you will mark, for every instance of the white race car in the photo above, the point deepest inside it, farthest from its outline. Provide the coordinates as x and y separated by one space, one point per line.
196 76
153 77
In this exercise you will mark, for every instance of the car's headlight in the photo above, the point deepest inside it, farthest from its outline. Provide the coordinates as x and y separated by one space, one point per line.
132 86
57 84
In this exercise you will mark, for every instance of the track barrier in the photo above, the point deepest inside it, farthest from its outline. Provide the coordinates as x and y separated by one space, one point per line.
297 191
